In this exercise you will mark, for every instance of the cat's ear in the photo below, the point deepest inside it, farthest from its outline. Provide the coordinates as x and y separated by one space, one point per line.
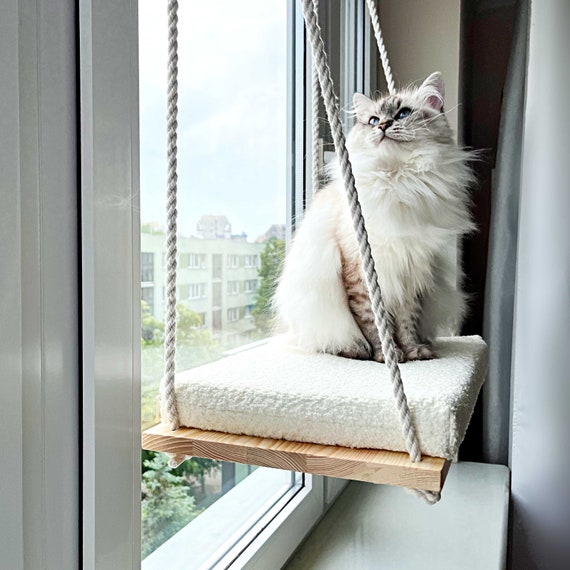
432 91
363 106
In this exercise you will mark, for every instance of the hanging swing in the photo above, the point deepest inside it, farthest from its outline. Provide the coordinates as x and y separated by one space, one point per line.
316 413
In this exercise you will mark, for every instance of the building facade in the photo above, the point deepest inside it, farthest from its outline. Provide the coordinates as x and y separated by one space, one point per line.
217 278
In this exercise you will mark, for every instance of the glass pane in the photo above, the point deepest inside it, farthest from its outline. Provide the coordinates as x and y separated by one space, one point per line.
231 223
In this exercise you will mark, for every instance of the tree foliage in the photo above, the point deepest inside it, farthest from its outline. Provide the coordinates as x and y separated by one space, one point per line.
166 504
272 258
152 330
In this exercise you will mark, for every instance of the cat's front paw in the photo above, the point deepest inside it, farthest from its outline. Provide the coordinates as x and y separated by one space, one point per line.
419 352
379 355
359 350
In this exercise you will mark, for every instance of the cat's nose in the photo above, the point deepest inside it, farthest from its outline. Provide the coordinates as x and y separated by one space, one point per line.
386 124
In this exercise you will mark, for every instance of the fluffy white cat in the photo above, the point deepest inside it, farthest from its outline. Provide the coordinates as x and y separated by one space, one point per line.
412 182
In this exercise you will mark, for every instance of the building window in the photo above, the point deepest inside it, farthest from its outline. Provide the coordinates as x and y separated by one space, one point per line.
147 267
250 261
233 315
233 287
250 286
147 296
196 261
232 339
248 312
197 291
233 261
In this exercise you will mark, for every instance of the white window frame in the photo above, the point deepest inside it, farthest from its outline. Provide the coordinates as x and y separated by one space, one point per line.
109 148
197 261
39 278
153 256
250 261
233 261
196 291
250 285
108 75
232 315
235 288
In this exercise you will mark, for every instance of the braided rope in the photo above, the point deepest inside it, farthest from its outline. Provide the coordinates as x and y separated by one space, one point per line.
315 119
172 124
381 47
380 315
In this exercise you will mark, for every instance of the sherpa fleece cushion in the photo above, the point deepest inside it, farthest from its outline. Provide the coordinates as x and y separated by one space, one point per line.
276 392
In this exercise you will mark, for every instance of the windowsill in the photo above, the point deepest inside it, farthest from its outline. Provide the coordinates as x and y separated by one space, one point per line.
209 536
370 524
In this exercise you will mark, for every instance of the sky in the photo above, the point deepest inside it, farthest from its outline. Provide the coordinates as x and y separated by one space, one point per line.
231 112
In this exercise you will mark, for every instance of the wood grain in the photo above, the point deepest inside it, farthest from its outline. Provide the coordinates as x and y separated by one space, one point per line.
370 465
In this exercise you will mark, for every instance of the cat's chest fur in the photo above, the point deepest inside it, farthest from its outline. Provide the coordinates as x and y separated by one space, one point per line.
403 241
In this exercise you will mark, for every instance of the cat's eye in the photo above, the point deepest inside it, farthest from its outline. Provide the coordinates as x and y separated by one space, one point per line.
373 121
403 113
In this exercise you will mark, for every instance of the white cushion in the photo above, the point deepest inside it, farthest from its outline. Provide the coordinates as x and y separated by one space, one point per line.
276 392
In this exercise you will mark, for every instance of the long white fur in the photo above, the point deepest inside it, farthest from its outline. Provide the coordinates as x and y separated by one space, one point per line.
414 198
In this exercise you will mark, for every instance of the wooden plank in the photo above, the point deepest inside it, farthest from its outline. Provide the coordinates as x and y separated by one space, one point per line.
370 465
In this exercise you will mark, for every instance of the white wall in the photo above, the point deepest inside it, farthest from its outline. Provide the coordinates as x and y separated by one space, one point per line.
423 36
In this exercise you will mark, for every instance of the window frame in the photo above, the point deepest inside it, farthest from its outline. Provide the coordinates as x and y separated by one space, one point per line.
110 246
108 32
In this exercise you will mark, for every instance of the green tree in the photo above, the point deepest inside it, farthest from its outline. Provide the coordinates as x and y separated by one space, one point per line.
193 470
166 503
152 330
271 265
196 344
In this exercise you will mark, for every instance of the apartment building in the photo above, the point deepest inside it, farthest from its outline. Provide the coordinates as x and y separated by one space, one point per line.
217 278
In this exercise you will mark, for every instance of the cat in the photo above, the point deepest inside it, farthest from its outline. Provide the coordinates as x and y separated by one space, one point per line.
413 185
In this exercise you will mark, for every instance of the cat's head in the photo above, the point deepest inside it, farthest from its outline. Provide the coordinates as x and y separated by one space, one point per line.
393 126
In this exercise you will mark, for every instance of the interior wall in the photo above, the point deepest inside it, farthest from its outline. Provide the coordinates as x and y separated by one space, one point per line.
487 30
422 37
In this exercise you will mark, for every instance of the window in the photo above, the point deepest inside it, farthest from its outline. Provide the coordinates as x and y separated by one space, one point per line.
233 315
233 261
196 261
197 291
147 267
216 218
233 287
250 261
147 296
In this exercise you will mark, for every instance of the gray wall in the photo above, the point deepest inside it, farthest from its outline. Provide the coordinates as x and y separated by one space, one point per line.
422 37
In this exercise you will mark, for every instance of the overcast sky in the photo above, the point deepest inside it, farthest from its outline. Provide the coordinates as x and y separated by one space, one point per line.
232 112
